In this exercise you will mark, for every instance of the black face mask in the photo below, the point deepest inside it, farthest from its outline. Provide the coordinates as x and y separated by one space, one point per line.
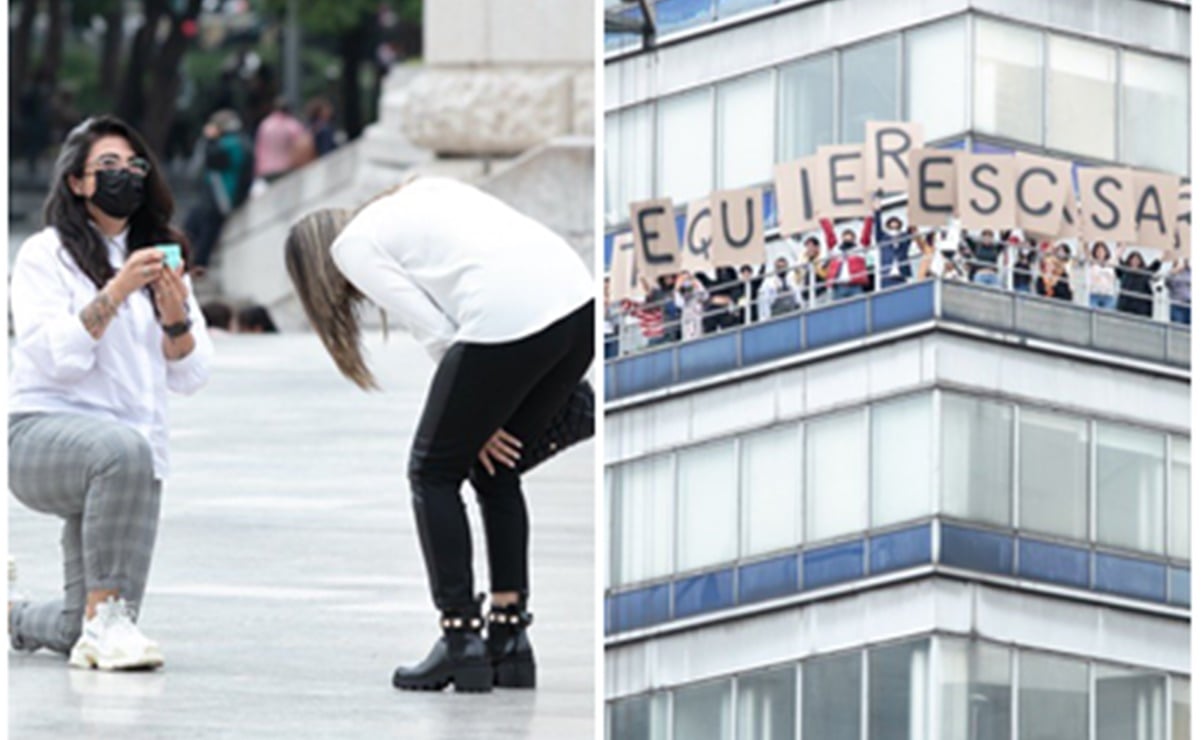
118 192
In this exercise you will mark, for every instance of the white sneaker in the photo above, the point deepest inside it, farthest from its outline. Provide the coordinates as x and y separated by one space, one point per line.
111 641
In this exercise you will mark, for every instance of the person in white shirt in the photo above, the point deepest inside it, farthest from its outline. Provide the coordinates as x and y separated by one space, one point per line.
504 306
103 330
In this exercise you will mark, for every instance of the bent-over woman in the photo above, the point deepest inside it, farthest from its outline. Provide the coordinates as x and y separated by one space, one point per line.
505 308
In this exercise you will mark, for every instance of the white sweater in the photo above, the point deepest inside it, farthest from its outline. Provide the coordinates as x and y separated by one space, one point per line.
451 263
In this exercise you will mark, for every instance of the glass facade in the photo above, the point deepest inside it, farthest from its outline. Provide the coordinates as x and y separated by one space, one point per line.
979 690
745 149
1038 88
810 483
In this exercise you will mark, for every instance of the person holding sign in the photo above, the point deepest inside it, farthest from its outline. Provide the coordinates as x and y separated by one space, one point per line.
1102 278
1054 279
1134 277
846 274
504 307
104 330
894 245
984 254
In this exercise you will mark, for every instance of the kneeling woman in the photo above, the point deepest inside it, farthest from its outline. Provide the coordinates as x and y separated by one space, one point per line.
504 307
104 329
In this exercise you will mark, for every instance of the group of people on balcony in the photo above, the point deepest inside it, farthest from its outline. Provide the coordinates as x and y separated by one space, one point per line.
882 253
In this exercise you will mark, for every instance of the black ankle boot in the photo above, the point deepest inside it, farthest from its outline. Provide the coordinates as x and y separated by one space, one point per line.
459 657
509 646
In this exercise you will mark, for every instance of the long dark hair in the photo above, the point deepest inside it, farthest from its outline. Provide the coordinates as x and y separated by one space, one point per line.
67 212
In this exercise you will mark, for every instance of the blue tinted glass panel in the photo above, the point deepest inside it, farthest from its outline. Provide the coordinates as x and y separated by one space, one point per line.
836 323
704 593
641 608
768 341
1140 579
644 372
834 564
672 15
975 549
902 306
705 357
1044 561
767 579
902 549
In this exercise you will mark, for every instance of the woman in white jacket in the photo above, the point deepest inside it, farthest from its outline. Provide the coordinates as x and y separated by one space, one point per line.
104 328
505 308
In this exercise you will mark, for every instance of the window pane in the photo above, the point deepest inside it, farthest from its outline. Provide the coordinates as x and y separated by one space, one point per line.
767 705
703 712
897 691
640 718
1155 112
1181 708
1008 81
642 520
629 154
1081 86
806 106
1178 545
835 476
727 8
869 86
1130 704
1052 698
975 690
745 120
1130 483
708 501
673 15
685 146
830 700
977 446
901 454
771 490
1053 484
935 58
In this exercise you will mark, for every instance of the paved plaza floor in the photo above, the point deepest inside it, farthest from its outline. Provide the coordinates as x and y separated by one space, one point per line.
288 583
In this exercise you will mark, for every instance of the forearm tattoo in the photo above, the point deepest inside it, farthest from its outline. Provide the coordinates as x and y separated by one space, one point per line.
97 315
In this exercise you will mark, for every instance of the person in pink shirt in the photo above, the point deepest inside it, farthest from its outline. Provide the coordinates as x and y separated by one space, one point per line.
281 144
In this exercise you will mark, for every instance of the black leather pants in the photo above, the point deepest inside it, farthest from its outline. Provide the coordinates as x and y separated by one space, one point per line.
477 389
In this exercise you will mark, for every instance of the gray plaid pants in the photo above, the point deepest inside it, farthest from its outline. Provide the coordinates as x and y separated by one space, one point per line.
98 476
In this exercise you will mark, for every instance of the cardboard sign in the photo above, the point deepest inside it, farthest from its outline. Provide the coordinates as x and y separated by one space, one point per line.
794 195
1184 221
696 255
984 191
623 277
1039 187
738 235
932 186
1072 217
1107 204
654 225
838 182
886 155
1155 205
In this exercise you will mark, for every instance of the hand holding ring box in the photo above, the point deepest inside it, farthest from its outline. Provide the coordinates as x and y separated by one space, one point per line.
172 255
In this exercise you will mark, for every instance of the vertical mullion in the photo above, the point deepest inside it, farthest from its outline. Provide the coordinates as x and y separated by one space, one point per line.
969 103
799 719
837 72
1092 700
1015 470
864 694
1045 50
1119 103
1015 678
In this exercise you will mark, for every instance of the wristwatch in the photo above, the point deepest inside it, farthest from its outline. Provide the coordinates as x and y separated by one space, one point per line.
178 329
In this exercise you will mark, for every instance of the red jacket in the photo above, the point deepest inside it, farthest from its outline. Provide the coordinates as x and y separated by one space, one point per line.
857 263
